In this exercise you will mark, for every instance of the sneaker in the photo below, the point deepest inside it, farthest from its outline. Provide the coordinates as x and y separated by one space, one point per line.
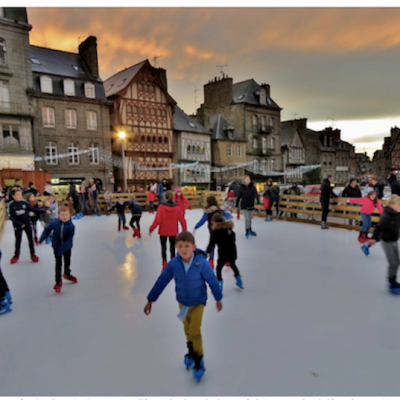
365 249
252 233
34 258
14 259
58 286
70 278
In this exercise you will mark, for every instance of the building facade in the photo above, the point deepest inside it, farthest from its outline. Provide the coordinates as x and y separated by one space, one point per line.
248 107
16 109
194 145
228 149
71 126
143 110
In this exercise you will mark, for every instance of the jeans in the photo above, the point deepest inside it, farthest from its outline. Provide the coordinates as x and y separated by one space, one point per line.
366 220
84 204
392 255
121 220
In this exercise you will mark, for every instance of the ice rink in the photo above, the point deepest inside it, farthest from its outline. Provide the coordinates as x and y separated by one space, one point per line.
314 319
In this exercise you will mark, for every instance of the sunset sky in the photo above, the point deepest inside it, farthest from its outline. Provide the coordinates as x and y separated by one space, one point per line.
320 63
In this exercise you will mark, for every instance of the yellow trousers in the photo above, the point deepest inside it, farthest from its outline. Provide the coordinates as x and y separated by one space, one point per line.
192 327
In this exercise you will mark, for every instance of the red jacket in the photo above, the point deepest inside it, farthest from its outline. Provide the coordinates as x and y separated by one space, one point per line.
167 218
182 201
368 206
151 196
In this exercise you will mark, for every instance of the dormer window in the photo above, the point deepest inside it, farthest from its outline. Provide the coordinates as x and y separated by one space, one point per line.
46 84
263 97
89 90
69 87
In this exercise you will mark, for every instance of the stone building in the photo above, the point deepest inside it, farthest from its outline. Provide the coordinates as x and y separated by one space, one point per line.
228 148
72 126
143 110
193 142
248 107
365 166
16 110
381 159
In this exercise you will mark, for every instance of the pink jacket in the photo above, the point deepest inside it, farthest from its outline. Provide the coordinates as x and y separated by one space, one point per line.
182 201
368 205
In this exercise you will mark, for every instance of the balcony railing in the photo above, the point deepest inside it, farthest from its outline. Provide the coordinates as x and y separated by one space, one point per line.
16 109
266 129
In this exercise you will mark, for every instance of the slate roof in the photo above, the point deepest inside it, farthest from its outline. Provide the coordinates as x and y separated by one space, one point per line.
245 92
287 135
60 65
182 122
121 79
219 125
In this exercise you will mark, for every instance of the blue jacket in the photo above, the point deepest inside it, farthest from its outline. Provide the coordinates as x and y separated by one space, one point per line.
208 214
190 288
160 190
135 208
63 233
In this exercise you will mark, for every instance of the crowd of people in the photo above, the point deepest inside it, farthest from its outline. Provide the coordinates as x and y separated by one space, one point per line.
191 268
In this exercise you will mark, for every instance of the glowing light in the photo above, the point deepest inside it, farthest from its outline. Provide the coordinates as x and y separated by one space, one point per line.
122 135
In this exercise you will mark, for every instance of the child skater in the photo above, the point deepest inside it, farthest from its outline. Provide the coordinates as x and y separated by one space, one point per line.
5 295
136 211
369 203
182 201
387 232
191 272
167 218
224 237
45 218
120 207
266 201
30 198
211 209
19 215
108 198
63 233
229 201
151 197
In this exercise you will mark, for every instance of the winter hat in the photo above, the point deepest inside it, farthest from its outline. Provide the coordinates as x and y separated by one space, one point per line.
178 189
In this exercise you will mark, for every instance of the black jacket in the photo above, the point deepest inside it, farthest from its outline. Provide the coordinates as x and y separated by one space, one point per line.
225 238
135 208
246 197
394 185
388 226
326 191
119 207
73 193
349 191
274 191
19 213
379 189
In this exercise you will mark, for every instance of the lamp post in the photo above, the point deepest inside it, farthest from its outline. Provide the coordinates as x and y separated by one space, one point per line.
122 136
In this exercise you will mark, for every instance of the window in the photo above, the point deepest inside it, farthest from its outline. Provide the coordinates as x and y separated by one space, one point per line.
46 84
263 96
69 87
264 145
70 119
255 121
4 95
264 165
10 135
3 52
91 120
235 172
229 150
35 61
192 124
89 90
273 164
256 165
94 154
51 153
273 143
73 154
48 117
255 145
263 123
239 151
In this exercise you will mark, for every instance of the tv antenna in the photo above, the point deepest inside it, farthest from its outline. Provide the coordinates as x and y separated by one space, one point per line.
332 120
220 67
195 97
155 58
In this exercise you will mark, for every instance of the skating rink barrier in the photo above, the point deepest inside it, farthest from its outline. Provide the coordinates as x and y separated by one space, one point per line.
305 209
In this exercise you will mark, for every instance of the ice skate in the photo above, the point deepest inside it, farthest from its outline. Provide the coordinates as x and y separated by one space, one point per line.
394 286
247 236
8 297
239 282
365 249
14 259
188 359
164 264
134 234
70 278
211 261
34 258
126 228
252 233
4 306
198 370
58 286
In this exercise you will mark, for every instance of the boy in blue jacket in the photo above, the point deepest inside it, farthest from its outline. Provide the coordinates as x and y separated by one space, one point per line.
5 295
191 271
63 232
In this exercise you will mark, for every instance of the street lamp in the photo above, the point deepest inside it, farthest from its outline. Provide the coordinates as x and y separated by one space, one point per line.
122 136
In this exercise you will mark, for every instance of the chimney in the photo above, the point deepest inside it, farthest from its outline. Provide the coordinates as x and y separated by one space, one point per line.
17 14
162 74
88 51
218 93
267 88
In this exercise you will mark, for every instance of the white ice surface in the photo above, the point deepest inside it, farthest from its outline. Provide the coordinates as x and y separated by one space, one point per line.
314 318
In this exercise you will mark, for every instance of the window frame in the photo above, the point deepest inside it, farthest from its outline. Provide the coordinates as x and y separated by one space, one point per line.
73 151
89 120
90 86
6 86
229 150
51 116
71 84
4 46
50 158
46 80
94 154
68 119
239 150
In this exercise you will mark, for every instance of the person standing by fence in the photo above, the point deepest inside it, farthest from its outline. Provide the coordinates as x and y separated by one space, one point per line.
326 194
245 200
352 190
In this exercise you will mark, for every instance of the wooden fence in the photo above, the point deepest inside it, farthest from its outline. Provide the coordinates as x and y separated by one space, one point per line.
306 208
